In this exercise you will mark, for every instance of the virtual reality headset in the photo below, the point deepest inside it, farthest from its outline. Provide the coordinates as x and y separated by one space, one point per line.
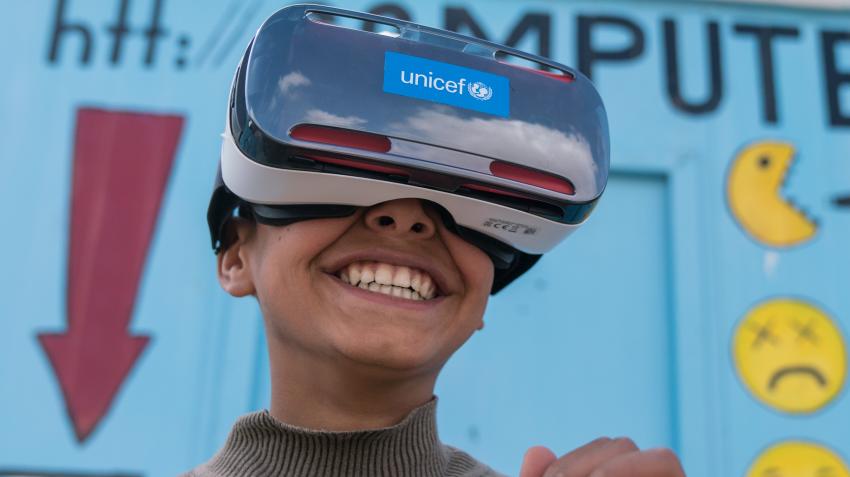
324 118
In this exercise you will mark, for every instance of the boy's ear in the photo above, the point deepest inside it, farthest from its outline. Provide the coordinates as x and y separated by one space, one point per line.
234 266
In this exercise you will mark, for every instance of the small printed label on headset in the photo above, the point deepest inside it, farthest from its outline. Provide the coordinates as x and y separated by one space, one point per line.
510 226
446 83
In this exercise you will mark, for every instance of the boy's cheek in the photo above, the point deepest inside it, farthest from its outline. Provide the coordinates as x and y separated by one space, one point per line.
474 265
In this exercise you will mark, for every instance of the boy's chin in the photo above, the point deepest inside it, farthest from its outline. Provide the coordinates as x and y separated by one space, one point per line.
398 352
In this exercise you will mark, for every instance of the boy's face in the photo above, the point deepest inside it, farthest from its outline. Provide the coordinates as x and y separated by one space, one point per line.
297 273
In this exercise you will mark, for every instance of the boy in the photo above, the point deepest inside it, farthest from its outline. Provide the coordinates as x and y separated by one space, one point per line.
372 254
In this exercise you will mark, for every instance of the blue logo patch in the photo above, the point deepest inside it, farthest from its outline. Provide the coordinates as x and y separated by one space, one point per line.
445 83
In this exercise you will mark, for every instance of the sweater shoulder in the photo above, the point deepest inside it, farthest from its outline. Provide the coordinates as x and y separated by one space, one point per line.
462 464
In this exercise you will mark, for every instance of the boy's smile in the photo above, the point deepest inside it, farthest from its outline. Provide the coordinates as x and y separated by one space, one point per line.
399 281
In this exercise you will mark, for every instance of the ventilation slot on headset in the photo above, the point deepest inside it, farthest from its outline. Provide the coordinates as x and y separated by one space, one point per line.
534 66
352 23
360 165
491 190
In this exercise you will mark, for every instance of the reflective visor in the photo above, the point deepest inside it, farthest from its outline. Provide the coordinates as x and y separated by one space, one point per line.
442 102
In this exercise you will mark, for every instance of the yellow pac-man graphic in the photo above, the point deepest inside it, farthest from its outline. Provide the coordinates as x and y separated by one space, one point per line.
790 355
753 191
798 459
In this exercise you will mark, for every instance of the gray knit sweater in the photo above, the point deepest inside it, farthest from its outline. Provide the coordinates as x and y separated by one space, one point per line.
261 446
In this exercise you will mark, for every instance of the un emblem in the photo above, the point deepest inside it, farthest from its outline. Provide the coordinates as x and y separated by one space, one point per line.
480 91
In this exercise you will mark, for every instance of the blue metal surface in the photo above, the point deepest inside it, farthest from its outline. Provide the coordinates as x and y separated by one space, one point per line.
625 329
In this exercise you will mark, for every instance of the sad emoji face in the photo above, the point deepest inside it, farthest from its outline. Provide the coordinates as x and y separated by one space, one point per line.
790 355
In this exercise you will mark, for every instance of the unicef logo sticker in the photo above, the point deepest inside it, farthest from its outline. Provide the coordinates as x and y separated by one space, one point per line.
480 91
446 83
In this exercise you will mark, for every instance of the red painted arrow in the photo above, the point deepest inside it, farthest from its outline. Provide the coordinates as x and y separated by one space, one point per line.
121 165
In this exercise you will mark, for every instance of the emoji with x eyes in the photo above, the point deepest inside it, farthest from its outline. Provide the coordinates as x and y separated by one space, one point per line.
790 355
798 459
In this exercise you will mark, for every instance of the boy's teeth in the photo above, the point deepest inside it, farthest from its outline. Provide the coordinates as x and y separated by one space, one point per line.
367 275
354 272
415 280
402 277
398 281
427 288
384 274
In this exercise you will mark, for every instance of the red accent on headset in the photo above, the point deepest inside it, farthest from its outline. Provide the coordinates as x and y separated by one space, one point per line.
532 177
358 164
560 76
495 191
341 137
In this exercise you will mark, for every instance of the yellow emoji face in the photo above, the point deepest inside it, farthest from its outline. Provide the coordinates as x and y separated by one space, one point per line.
790 355
753 193
798 459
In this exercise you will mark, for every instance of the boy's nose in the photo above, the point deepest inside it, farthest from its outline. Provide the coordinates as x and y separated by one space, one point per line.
401 218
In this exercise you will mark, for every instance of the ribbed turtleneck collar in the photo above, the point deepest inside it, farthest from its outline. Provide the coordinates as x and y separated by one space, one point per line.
261 446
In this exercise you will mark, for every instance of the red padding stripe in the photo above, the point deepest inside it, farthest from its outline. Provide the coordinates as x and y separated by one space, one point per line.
565 77
532 177
356 164
341 137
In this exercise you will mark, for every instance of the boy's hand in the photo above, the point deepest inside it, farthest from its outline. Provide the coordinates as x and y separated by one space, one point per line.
603 457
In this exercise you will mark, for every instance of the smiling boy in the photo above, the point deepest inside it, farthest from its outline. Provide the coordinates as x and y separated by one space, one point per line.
372 252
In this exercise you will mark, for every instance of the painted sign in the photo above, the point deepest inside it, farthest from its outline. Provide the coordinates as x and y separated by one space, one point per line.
703 307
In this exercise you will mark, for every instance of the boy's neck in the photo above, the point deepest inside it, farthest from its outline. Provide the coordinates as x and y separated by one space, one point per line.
315 392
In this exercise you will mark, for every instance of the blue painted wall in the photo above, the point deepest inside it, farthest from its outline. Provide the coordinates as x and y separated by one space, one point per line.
627 329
